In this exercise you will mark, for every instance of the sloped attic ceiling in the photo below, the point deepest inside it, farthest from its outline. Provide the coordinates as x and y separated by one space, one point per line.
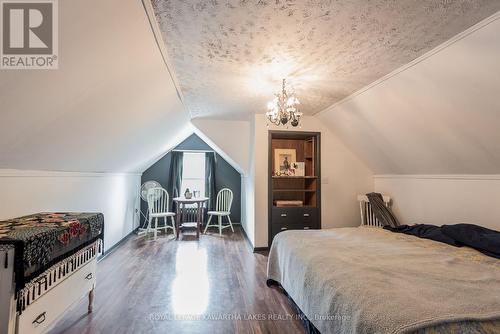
111 105
230 56
439 115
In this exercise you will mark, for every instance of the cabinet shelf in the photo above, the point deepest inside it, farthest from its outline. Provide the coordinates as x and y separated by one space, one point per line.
294 177
295 190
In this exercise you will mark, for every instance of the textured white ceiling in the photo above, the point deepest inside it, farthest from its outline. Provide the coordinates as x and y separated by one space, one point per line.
229 56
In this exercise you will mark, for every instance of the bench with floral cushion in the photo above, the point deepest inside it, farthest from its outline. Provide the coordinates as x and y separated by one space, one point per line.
43 239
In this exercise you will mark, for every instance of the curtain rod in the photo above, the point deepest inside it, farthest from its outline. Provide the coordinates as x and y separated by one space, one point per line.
193 151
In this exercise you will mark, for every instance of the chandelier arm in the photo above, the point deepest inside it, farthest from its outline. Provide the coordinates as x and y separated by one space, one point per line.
283 108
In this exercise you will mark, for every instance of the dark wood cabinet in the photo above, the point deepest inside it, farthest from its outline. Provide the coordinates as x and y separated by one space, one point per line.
294 196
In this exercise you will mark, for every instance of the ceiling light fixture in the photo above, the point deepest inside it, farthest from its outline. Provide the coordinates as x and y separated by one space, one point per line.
283 109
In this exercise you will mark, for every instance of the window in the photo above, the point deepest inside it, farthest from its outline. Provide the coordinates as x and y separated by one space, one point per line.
193 172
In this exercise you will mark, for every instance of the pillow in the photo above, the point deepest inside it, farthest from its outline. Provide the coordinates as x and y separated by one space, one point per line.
481 238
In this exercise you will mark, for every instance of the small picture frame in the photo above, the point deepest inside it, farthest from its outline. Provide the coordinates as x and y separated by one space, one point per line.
283 159
300 168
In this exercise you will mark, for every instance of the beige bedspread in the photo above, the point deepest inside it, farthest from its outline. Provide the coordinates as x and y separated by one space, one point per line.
368 280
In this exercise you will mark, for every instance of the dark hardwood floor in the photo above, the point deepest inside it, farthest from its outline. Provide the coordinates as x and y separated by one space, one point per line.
214 285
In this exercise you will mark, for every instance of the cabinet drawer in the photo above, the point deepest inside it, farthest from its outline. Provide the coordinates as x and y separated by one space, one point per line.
276 228
39 316
309 217
284 219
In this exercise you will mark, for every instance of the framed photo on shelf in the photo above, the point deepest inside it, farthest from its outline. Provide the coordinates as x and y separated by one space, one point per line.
283 159
300 168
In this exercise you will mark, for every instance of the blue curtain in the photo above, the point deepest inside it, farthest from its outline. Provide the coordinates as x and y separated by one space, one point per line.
175 176
210 179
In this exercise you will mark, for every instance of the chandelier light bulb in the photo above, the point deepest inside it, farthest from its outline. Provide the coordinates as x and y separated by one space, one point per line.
292 100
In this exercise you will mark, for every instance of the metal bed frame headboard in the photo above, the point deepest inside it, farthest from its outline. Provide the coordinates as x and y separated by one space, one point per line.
367 216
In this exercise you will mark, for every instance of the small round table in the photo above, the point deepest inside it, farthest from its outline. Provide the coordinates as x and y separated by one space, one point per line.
181 203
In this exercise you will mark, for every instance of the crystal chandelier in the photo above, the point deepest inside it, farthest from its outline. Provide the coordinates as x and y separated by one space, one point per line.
283 109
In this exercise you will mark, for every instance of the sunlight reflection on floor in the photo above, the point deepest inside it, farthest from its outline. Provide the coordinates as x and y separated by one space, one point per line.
190 289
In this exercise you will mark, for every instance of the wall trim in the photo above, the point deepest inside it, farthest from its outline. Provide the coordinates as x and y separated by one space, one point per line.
155 29
416 61
48 173
250 245
116 245
245 236
484 177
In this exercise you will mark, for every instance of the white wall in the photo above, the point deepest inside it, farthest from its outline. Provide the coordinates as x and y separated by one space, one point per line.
248 191
248 207
433 125
115 195
231 137
443 199
344 176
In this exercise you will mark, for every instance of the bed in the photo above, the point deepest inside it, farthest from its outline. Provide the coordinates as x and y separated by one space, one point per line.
47 263
369 280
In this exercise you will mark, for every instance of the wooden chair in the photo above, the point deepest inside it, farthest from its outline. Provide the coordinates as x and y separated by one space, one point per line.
158 200
367 216
222 209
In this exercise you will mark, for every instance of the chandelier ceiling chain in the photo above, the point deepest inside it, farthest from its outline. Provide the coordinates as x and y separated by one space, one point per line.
284 108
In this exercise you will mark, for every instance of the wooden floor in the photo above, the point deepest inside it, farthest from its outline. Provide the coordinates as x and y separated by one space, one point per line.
214 285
